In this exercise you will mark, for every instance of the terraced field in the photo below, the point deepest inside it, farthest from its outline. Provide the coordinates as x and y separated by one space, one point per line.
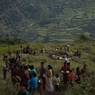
47 20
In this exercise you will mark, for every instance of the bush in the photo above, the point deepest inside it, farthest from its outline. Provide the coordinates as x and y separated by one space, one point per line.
85 36
87 87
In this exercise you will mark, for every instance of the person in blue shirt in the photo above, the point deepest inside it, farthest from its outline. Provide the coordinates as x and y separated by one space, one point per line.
33 83
32 69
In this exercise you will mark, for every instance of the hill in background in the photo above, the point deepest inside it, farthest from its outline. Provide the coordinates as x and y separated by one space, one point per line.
47 20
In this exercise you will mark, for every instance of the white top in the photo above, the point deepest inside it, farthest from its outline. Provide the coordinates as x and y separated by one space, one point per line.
49 84
67 59
57 81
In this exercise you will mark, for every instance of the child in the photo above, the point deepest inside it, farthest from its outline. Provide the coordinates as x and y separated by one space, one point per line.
57 82
33 83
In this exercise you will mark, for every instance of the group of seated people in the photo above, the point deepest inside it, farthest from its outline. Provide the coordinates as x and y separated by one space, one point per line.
29 50
56 54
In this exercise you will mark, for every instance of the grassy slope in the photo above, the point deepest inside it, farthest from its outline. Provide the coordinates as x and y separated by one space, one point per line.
88 52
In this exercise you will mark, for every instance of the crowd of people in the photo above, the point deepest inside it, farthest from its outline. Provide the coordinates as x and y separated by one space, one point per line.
43 80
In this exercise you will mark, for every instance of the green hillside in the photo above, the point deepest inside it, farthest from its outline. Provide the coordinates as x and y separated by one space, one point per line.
47 20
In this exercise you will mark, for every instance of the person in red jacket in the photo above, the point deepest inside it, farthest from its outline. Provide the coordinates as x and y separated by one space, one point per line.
72 77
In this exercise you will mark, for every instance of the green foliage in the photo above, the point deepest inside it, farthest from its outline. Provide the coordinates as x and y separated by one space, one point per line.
86 87
85 36
10 40
47 20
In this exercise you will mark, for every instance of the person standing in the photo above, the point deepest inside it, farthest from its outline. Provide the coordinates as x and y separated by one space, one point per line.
5 70
49 85
42 79
33 83
78 73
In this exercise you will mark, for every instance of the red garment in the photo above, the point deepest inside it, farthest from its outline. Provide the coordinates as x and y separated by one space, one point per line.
25 78
72 76
42 72
64 68
42 86
15 71
26 75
